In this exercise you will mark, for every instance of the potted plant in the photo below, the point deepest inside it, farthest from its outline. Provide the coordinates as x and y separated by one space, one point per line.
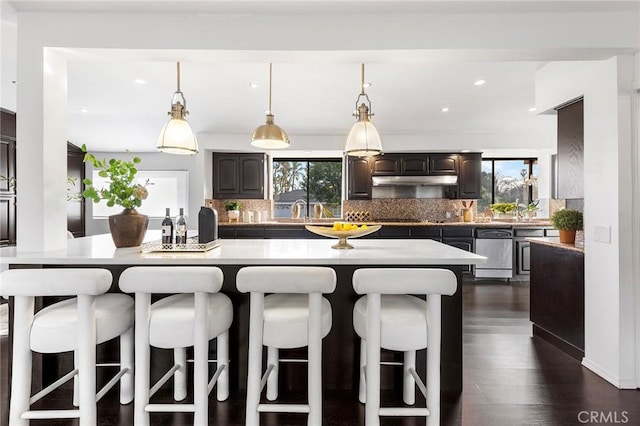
503 208
529 209
567 221
128 227
233 210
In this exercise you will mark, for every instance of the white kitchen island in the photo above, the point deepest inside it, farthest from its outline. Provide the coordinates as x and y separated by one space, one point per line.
340 347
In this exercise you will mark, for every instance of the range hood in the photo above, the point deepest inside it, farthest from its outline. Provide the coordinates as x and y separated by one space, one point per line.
448 180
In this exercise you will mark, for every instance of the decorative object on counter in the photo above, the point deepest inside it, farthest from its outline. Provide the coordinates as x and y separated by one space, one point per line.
177 137
317 210
342 231
128 227
207 225
270 135
233 210
529 210
192 245
467 213
181 228
567 221
503 210
358 216
363 139
167 227
247 216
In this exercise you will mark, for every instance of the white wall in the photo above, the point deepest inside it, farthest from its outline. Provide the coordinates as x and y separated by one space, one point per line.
8 56
609 310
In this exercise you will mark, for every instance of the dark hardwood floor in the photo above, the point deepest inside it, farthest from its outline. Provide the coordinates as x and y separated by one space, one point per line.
510 378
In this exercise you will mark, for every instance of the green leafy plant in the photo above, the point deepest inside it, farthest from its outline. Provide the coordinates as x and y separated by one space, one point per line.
120 174
567 220
531 207
503 208
231 205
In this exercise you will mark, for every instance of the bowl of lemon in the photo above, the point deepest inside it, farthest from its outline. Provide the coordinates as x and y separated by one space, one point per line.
342 231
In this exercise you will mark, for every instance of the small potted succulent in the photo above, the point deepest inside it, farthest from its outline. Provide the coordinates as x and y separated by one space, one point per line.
567 221
528 210
233 210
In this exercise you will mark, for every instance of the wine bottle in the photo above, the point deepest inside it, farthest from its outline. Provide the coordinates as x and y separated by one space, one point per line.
167 228
181 228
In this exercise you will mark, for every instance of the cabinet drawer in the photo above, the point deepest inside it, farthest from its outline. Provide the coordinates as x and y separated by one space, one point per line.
394 232
551 233
519 232
457 232
249 232
426 232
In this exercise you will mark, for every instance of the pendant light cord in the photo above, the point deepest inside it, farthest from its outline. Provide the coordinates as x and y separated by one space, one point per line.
362 79
270 72
178 75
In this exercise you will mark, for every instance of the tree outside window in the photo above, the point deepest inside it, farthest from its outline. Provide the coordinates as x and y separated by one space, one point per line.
309 180
508 180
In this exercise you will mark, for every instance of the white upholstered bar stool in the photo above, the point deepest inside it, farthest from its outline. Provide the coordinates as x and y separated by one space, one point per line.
197 314
296 315
77 324
389 317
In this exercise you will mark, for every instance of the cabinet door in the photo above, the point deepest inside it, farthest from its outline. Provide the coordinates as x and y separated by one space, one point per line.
75 201
469 176
465 244
7 221
385 165
226 175
523 257
359 175
571 151
416 165
7 166
443 164
251 176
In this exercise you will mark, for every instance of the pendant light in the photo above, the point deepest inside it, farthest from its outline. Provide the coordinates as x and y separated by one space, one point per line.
176 136
270 135
363 139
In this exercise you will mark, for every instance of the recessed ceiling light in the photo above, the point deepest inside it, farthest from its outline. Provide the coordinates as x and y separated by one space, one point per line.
83 110
532 109
14 82
480 82
253 85
366 85
140 81
465 150
445 109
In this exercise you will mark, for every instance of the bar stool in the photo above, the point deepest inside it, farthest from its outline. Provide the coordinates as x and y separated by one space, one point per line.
297 315
400 322
77 324
197 314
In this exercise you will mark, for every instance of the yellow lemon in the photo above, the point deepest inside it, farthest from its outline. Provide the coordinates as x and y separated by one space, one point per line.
337 226
363 227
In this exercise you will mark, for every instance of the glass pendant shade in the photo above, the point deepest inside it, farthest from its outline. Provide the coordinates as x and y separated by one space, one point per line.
176 136
270 135
363 139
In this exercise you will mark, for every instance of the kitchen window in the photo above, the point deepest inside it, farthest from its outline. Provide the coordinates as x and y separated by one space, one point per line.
505 180
307 181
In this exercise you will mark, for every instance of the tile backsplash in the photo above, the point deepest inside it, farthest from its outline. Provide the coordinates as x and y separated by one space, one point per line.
410 209
253 205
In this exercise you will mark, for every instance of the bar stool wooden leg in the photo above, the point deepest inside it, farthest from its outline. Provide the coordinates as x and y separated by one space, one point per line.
255 358
201 359
76 383
315 361
127 362
21 380
222 352
372 409
273 358
434 320
180 376
409 383
87 362
362 385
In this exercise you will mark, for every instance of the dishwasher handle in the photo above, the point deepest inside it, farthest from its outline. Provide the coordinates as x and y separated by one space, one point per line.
494 233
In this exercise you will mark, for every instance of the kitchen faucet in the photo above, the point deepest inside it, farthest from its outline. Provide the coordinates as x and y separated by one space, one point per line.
295 208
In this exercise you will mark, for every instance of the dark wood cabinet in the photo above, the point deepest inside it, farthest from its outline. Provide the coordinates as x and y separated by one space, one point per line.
523 257
359 178
414 164
8 183
385 165
75 201
443 164
239 176
469 176
570 178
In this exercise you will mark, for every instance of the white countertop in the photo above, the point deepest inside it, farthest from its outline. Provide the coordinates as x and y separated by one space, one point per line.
99 250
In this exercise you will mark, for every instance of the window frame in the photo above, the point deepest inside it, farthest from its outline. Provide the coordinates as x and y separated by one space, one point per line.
530 162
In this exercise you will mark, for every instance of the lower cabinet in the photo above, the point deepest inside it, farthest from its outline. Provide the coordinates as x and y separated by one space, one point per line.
522 261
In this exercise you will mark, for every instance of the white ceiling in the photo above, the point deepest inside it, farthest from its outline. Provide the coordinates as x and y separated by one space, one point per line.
313 93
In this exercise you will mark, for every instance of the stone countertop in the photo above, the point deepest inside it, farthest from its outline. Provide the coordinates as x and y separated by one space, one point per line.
555 242
99 250
494 224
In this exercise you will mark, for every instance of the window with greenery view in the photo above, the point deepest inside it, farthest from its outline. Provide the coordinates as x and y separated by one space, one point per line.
311 181
505 180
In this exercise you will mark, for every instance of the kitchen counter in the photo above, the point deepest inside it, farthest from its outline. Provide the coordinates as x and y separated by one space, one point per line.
493 224
555 242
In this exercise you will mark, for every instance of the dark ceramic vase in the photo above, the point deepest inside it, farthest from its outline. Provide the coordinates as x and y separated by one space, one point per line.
128 228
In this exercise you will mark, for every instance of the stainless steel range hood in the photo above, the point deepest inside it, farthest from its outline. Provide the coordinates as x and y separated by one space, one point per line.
415 180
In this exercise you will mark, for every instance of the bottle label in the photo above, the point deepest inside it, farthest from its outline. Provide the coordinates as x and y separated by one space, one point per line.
181 229
166 231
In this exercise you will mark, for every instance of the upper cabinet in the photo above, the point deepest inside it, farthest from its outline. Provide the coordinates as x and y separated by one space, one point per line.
384 165
75 200
469 176
239 176
443 164
570 178
414 164
8 183
359 178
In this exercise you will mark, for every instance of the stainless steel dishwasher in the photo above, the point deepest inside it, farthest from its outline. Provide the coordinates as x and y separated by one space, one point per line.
497 246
